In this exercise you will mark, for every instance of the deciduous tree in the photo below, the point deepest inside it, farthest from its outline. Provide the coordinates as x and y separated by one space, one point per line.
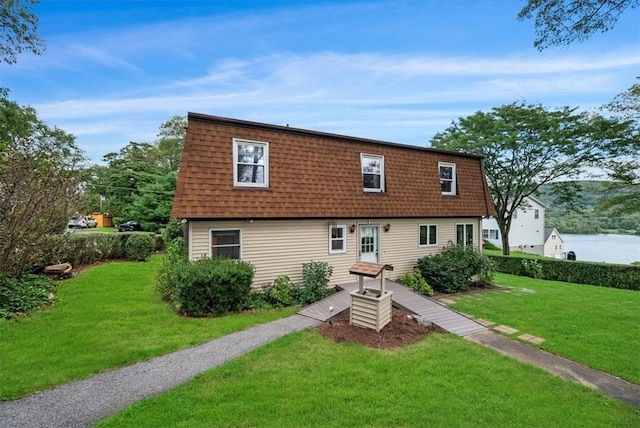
560 22
18 31
526 146
39 184
626 171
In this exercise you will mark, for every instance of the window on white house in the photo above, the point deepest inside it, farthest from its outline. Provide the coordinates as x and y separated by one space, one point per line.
250 163
553 237
536 214
337 239
372 173
226 243
464 234
447 178
428 234
489 233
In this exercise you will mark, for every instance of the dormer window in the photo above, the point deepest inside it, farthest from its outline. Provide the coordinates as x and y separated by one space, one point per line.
447 178
372 173
250 163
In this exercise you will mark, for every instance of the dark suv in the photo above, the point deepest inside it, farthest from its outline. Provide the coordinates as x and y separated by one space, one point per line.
130 226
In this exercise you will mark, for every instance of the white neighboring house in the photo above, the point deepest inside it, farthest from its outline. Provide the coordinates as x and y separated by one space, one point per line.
527 232
553 243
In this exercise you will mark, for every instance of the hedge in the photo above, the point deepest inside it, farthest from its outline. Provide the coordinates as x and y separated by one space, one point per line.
83 249
603 275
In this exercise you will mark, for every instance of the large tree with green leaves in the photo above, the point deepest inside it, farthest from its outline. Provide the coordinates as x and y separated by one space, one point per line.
561 22
626 171
526 146
138 182
18 31
39 185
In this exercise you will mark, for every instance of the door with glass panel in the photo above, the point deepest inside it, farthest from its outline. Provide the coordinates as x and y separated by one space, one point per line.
369 243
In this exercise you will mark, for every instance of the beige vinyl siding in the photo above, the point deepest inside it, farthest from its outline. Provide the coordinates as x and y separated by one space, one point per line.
280 247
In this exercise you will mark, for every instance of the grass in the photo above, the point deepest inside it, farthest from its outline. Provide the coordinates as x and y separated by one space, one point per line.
596 326
109 316
304 379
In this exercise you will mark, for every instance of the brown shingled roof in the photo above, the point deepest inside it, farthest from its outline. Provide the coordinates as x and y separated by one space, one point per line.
318 175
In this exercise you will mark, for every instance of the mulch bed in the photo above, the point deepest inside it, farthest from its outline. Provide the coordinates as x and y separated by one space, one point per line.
401 331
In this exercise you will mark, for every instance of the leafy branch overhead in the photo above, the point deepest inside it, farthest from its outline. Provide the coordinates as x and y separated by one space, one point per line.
561 22
526 146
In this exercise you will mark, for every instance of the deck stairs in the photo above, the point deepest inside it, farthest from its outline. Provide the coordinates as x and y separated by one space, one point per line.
403 298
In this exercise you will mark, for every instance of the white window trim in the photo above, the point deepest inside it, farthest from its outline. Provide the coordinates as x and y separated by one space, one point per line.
366 189
473 240
225 230
428 226
453 177
237 183
344 239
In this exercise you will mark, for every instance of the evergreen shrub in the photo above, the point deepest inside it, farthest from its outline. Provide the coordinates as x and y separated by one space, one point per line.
213 286
139 246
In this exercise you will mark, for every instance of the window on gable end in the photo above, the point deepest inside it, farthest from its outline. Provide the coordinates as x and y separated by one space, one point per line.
250 163
337 239
372 173
536 214
447 178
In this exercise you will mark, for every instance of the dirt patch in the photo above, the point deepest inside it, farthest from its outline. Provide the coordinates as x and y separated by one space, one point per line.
401 331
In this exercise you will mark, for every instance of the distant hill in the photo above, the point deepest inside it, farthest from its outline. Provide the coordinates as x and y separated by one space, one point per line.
592 219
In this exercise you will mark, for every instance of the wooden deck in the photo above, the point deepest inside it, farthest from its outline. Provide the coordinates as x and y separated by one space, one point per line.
404 298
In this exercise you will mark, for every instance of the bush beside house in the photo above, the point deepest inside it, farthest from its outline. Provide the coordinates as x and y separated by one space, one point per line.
454 269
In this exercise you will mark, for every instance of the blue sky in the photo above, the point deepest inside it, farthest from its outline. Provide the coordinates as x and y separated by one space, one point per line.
398 71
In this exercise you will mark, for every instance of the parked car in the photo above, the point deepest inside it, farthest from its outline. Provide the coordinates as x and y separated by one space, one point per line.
78 221
92 222
130 226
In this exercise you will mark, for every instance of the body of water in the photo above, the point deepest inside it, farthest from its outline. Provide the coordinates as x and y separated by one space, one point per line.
608 248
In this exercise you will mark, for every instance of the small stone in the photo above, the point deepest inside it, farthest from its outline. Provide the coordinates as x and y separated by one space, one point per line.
420 320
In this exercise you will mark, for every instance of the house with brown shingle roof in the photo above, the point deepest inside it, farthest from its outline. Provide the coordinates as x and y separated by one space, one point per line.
279 197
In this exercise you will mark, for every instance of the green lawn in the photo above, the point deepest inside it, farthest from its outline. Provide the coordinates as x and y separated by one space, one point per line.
593 325
109 316
445 381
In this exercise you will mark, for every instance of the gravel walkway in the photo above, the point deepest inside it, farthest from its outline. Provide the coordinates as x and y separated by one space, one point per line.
85 402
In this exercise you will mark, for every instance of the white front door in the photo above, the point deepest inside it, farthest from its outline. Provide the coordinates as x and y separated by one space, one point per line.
369 243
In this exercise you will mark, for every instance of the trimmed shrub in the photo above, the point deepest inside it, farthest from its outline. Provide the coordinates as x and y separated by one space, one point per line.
415 281
577 272
213 286
454 269
316 280
139 246
531 267
24 293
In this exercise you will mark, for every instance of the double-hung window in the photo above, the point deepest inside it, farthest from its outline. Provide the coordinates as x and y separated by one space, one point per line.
428 235
337 239
464 234
250 163
226 243
447 178
372 173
